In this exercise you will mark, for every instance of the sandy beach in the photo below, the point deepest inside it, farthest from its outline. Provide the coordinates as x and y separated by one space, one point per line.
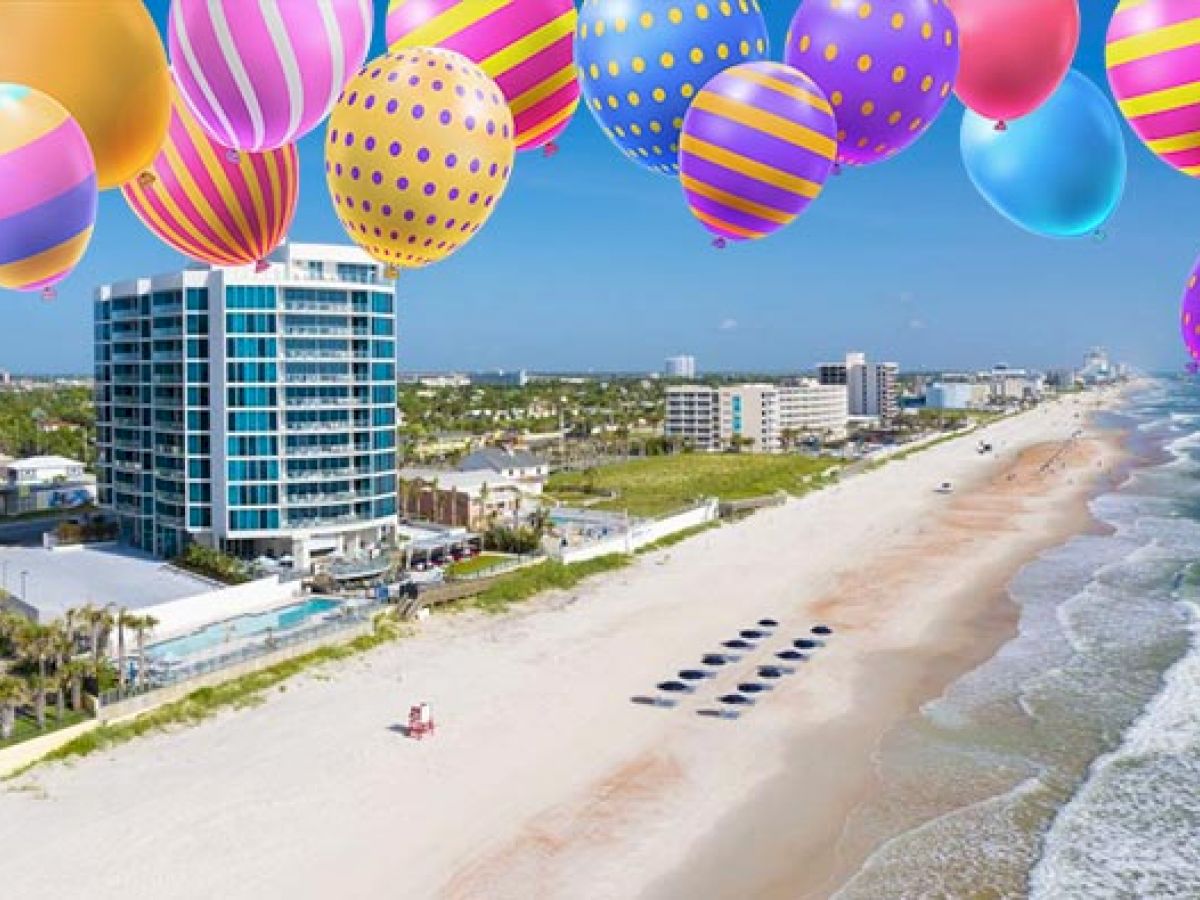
544 779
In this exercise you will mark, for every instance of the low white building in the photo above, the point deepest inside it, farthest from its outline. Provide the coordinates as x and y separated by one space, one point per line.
519 465
41 470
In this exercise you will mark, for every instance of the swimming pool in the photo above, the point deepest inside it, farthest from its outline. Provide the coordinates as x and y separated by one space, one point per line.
286 618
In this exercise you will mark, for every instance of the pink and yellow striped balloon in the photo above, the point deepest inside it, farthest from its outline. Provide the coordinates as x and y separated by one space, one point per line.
1153 58
209 207
261 74
48 191
526 46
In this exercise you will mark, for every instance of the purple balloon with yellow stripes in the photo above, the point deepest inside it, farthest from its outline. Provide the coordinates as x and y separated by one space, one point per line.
758 144
48 191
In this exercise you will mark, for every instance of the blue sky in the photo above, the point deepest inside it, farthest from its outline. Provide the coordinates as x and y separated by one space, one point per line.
590 262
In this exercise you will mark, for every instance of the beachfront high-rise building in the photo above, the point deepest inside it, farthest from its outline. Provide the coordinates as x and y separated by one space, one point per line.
763 418
680 367
872 387
254 412
694 416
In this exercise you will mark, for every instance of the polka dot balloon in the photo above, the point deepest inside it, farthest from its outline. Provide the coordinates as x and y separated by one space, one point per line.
1189 318
419 150
642 62
887 67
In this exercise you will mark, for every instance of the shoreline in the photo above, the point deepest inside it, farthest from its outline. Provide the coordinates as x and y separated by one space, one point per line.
543 779
813 860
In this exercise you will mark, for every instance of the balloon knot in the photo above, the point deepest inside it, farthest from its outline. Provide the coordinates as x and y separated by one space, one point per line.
391 273
837 168
720 243
1100 236
147 180
261 266
234 157
49 294
1002 125
550 150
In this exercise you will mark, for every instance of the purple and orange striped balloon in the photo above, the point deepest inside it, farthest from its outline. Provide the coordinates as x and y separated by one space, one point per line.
758 144
48 190
260 75
1189 315
1153 59
526 46
211 208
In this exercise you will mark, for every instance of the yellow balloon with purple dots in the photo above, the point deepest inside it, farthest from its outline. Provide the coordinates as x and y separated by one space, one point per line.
420 149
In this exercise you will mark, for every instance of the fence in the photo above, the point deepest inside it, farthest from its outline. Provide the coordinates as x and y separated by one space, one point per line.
264 653
641 534
501 568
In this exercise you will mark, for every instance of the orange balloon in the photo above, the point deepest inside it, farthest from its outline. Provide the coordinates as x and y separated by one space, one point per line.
101 59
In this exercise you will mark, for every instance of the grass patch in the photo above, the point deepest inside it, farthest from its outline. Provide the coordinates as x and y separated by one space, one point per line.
26 726
201 704
678 537
547 576
658 485
476 564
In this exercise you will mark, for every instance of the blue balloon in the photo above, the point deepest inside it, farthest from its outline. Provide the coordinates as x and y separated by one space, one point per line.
642 61
1059 171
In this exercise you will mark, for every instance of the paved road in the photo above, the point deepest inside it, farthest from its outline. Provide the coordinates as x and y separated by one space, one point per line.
29 532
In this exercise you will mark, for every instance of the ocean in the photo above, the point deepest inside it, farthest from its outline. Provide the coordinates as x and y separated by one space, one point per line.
1068 765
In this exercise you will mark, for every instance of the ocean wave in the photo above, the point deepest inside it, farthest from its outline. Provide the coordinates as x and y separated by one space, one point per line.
1131 829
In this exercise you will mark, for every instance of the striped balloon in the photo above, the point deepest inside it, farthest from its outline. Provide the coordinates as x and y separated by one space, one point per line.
260 75
758 143
1153 58
211 208
48 190
526 46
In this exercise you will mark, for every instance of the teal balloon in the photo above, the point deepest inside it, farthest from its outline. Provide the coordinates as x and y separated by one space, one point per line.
641 62
1059 171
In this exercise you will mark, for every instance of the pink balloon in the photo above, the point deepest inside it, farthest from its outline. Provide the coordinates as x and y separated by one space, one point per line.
1015 53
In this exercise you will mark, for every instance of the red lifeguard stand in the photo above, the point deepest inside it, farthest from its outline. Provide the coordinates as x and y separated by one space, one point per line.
420 721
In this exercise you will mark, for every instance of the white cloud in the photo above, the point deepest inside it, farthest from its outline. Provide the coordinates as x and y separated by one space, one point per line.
916 324
728 325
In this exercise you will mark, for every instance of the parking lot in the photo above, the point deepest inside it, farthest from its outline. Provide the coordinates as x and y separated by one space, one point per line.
55 581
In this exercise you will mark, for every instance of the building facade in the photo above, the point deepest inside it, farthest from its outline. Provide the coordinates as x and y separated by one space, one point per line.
680 367
253 412
693 417
872 388
761 418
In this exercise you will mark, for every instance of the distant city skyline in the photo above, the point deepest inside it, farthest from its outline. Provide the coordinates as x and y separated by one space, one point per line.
592 263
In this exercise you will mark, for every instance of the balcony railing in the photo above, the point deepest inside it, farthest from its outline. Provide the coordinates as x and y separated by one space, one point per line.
320 402
318 379
317 426
318 354
302 452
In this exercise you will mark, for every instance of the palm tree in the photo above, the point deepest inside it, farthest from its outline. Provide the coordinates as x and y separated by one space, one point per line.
59 682
122 621
142 626
37 647
14 692
76 671
59 644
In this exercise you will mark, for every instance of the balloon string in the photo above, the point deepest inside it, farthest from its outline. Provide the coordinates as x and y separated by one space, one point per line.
1100 236
146 180
261 266
720 243
234 157
49 294
550 150
1002 125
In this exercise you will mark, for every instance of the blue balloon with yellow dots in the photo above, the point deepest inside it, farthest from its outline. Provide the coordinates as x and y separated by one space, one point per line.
642 62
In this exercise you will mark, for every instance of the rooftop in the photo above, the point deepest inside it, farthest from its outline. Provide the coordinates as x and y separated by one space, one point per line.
498 459
41 462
